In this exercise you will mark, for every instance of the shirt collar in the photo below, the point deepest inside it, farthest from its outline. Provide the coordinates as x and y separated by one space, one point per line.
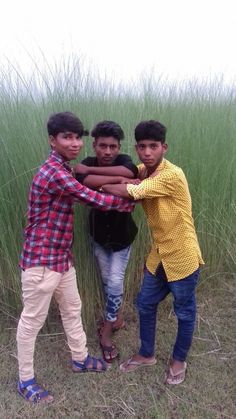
61 159
161 165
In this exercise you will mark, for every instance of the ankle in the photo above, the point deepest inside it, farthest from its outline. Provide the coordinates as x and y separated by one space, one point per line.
177 365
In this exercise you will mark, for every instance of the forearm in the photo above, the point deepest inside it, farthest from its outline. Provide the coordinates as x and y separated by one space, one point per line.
104 170
65 184
96 181
117 190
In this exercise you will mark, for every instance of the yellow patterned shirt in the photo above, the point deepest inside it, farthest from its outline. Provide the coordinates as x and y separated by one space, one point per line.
167 203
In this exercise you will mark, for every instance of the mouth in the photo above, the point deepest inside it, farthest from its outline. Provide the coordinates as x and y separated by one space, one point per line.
74 151
148 162
107 159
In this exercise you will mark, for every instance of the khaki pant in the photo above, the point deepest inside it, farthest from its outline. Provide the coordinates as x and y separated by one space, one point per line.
38 286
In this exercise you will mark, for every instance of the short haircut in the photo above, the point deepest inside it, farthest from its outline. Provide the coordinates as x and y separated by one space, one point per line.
150 130
107 129
65 121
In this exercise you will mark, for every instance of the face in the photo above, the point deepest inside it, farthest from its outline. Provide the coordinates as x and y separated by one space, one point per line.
151 153
67 144
106 149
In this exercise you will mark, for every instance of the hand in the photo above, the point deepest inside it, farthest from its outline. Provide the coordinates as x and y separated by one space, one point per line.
81 169
143 173
126 180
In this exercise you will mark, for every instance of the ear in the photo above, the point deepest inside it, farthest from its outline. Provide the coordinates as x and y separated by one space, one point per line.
51 140
94 144
165 148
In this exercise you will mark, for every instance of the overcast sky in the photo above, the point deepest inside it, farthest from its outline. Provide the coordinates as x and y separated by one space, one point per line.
177 39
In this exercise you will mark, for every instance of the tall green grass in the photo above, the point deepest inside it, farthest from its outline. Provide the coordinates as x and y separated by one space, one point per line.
201 123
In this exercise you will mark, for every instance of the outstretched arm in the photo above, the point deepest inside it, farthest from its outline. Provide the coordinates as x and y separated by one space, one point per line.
118 190
63 183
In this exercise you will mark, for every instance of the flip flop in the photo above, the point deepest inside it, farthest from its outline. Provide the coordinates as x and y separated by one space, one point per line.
132 365
175 379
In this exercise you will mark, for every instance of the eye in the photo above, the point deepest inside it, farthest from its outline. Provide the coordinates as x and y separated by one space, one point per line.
66 135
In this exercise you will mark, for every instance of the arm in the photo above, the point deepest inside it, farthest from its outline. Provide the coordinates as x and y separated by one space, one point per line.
122 166
65 185
96 181
118 190
93 176
152 187
82 169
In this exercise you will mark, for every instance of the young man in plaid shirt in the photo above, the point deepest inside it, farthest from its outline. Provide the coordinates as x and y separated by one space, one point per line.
46 261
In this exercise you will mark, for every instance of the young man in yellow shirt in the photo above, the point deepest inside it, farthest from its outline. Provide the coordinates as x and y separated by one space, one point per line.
173 262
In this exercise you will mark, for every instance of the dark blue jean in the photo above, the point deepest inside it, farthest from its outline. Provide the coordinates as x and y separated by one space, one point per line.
154 289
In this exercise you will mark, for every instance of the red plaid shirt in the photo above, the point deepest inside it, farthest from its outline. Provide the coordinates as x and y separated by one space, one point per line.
49 231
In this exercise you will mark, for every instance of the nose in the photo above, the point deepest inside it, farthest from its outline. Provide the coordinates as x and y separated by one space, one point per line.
108 151
147 151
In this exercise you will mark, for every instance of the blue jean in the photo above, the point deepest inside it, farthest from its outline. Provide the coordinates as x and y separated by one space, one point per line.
112 266
154 289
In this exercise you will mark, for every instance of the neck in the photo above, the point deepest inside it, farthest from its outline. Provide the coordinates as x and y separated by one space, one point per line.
151 170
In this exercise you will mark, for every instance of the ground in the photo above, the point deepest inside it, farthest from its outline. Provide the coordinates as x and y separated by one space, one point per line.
209 390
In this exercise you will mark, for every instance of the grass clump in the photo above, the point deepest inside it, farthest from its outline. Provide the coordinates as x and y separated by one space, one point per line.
201 132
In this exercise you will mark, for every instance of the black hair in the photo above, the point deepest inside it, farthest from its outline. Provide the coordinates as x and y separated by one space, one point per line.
107 129
65 121
150 130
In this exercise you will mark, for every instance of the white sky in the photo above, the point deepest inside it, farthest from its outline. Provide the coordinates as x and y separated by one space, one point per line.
175 39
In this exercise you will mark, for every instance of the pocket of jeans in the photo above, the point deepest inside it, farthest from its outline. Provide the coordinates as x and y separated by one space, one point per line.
33 275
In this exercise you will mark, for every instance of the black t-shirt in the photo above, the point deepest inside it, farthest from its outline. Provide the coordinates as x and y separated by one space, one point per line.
111 229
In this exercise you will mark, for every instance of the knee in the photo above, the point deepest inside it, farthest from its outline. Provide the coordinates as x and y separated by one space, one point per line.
70 307
185 314
144 306
115 287
27 328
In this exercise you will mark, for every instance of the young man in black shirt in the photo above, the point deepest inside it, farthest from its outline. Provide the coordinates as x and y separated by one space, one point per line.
112 232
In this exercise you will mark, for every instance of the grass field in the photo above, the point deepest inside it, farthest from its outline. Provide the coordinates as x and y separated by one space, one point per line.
201 132
208 392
